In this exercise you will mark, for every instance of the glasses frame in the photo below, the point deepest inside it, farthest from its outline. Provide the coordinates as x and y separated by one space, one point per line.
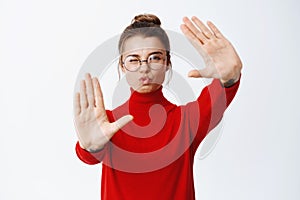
141 62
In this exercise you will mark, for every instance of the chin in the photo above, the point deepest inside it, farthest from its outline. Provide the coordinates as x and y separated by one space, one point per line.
148 88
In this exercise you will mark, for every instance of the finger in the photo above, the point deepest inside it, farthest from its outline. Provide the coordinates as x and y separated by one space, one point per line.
122 122
215 30
98 94
205 31
76 104
205 73
89 90
195 31
190 36
83 98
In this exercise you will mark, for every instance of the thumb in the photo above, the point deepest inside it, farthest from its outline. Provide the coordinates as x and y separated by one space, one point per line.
201 73
194 74
122 122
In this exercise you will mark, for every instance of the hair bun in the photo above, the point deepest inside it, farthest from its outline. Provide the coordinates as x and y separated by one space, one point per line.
146 18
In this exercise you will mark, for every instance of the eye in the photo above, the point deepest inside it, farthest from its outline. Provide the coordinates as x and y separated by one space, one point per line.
155 57
132 59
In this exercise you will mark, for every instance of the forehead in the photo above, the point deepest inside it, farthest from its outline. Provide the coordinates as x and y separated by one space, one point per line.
142 45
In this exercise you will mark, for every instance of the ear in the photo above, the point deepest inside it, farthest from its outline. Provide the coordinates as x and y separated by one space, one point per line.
169 66
168 62
122 67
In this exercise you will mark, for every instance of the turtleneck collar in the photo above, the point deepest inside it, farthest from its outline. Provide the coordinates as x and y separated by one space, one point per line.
138 106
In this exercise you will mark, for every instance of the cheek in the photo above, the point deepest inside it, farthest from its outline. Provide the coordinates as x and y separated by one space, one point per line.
159 76
132 78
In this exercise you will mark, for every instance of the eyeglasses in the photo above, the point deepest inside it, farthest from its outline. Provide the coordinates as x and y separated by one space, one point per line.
155 61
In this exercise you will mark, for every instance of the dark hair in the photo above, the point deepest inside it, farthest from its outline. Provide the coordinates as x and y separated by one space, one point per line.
146 25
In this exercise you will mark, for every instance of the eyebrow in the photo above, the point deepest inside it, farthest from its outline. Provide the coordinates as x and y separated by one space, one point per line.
155 52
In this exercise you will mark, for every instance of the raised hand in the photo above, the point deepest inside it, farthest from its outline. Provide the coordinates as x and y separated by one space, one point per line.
93 128
221 59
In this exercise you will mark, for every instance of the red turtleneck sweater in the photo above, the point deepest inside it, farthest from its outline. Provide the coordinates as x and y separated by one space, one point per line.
151 158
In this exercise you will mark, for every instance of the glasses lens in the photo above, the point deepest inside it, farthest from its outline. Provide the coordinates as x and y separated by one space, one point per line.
132 63
156 61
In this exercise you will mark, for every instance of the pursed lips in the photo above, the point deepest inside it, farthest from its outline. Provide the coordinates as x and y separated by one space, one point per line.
145 80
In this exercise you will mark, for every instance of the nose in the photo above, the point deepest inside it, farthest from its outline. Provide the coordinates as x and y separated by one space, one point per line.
144 67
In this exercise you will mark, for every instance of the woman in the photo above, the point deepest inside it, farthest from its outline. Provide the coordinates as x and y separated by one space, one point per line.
147 145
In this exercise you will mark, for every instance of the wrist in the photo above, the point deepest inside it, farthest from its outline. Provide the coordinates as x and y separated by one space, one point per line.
94 150
229 82
91 148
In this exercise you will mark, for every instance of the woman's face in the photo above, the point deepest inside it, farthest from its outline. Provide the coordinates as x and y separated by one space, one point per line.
144 63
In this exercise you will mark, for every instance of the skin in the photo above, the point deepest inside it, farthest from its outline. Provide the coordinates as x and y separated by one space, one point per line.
222 62
143 47
221 59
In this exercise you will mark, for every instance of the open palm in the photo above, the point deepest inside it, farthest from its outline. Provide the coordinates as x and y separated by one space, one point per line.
92 125
221 59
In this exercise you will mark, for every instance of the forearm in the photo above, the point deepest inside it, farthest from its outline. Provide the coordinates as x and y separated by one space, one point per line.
219 97
207 111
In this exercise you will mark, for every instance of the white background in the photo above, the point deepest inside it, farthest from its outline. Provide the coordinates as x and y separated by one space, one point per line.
43 45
